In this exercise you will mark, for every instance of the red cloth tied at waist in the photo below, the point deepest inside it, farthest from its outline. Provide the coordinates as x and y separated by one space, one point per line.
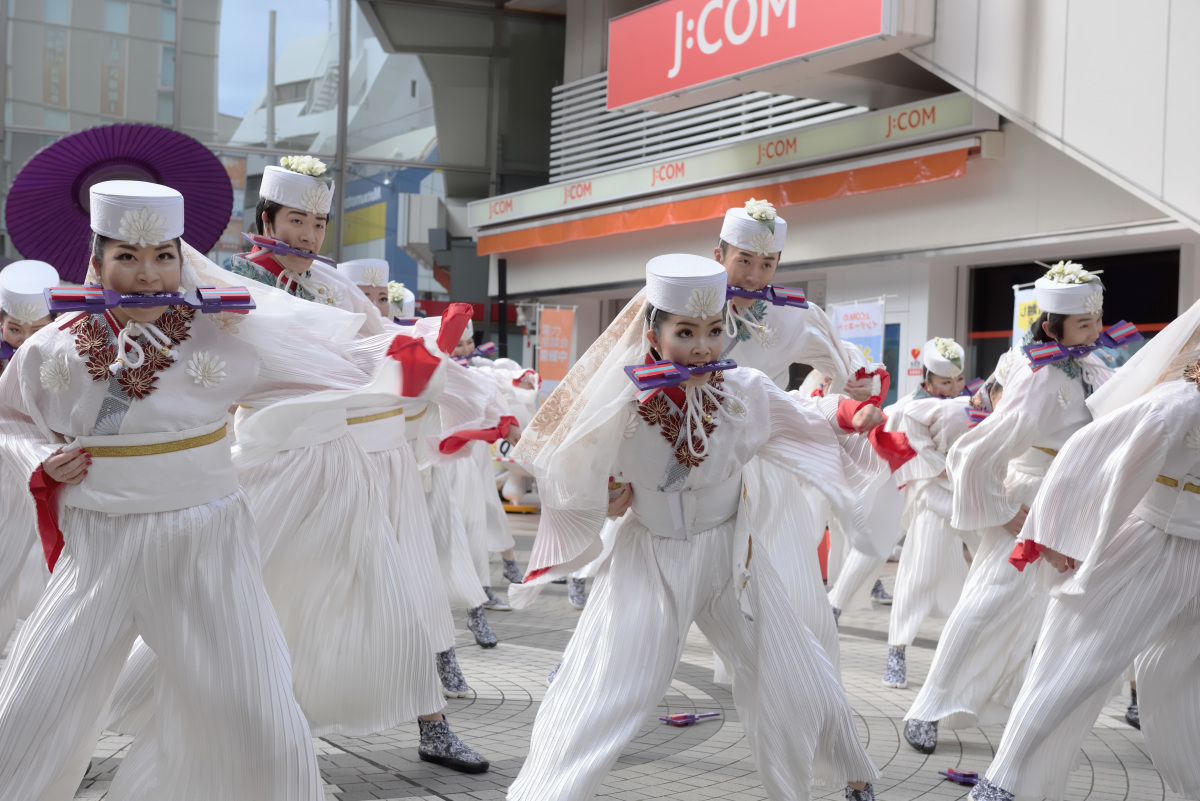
45 500
455 442
1025 553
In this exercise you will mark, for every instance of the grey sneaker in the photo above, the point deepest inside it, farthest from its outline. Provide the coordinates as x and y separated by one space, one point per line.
837 616
441 746
921 735
554 673
1132 716
477 623
895 675
879 595
512 572
986 791
865 794
575 593
493 602
454 685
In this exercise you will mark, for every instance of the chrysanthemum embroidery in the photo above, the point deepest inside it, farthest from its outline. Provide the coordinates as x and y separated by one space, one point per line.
1192 440
763 333
206 369
137 382
98 360
1094 304
1064 397
659 411
1192 373
333 296
27 312
174 323
631 427
655 410
373 275
143 227
56 373
90 333
226 321
706 302
315 200
763 242
685 457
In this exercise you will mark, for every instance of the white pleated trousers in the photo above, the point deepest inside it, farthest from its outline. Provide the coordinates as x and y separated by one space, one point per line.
1143 597
189 581
852 589
420 576
932 571
456 560
620 661
18 537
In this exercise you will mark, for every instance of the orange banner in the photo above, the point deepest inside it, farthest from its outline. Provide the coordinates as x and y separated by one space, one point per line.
860 181
556 328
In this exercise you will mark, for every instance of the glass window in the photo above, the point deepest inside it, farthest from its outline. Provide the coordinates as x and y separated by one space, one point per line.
291 92
166 108
167 24
56 119
55 11
166 72
116 16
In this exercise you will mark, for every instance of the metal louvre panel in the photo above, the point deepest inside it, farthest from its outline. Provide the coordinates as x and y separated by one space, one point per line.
587 139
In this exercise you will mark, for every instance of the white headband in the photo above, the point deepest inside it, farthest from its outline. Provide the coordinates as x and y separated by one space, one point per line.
687 285
136 212
22 290
298 190
366 272
755 228
943 357
1069 289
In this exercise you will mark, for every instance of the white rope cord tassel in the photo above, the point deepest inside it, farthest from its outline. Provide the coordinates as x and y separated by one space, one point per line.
763 334
696 417
136 356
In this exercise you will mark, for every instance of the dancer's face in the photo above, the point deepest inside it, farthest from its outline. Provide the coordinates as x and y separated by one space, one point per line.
1079 329
139 270
465 346
943 386
297 229
378 295
746 270
688 341
16 332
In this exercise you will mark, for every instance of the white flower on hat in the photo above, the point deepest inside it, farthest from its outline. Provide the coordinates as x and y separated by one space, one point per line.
763 242
373 275
56 373
206 369
706 302
761 210
315 200
305 165
395 292
948 350
1094 303
1068 272
26 312
143 227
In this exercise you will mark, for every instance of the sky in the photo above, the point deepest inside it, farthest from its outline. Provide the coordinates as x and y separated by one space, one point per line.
242 61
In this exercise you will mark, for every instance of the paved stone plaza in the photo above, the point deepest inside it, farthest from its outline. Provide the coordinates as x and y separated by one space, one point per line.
707 761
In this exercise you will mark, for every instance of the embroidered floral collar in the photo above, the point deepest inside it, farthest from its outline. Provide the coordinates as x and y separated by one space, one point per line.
1192 373
95 336
1070 365
261 265
668 410
755 313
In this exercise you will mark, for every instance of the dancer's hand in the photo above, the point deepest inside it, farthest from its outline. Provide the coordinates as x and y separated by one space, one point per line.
866 419
1015 525
69 467
620 504
859 388
1062 563
514 434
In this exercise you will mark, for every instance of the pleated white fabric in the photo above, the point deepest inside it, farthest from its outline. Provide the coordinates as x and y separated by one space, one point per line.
852 590
18 539
629 640
499 537
332 566
456 559
189 582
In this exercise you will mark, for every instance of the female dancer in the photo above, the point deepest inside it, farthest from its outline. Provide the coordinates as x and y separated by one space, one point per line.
995 470
675 558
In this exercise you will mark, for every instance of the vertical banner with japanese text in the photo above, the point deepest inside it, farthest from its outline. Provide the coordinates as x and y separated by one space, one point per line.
862 324
1025 311
556 340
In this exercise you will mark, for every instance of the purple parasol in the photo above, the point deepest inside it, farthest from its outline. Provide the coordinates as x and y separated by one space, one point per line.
48 210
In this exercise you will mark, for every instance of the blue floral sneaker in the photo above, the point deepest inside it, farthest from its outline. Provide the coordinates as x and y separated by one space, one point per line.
879 595
895 675
441 746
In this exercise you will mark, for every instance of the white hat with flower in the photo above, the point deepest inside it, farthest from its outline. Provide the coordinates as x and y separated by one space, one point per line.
1067 288
299 182
402 300
686 284
136 212
22 290
755 228
943 357
366 272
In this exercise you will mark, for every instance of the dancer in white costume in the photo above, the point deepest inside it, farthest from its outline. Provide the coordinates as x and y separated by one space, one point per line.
932 568
23 312
355 588
995 470
121 419
675 558
1119 512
